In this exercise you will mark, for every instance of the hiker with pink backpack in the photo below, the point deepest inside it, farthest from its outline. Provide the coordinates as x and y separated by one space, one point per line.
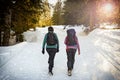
72 44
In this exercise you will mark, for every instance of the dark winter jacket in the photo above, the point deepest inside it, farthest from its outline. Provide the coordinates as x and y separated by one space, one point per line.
50 46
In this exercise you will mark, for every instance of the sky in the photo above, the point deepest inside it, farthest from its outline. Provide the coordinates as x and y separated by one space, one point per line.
53 1
24 61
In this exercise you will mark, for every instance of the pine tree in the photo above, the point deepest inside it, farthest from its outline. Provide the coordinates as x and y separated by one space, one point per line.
57 15
18 16
5 21
25 15
78 12
45 17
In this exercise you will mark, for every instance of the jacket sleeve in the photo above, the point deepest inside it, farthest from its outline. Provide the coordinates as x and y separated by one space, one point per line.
65 42
44 41
57 40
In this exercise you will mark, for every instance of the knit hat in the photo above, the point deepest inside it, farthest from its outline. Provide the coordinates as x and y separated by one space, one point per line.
50 29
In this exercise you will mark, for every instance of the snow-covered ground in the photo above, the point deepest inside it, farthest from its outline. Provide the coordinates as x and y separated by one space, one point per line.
99 59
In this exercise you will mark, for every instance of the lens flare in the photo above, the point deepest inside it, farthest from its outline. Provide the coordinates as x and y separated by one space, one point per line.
108 7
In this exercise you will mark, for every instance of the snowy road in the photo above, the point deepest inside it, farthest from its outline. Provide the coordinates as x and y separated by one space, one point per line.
25 61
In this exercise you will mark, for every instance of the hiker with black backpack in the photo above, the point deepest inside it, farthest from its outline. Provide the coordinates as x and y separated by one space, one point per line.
72 44
52 47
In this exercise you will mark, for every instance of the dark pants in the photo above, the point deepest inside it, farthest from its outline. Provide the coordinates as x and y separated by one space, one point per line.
51 53
70 58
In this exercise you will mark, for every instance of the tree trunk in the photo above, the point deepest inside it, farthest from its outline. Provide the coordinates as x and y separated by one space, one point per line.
6 37
6 30
0 38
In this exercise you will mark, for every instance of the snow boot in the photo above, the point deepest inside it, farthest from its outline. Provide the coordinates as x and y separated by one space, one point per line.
69 72
50 73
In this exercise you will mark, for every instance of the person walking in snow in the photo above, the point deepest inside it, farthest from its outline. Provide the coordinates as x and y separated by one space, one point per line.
72 44
52 47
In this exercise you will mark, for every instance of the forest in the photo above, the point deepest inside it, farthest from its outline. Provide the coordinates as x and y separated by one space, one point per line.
21 15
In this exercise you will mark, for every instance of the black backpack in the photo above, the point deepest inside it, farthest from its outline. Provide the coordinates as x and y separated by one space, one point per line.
71 37
51 39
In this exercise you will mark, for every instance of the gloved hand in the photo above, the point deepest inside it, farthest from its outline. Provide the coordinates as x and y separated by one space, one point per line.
78 52
43 51
57 50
